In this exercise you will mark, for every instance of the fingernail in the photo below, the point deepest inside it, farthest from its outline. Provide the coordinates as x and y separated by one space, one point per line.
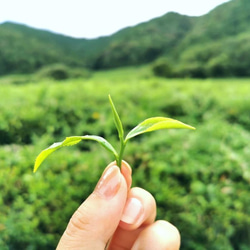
109 183
132 211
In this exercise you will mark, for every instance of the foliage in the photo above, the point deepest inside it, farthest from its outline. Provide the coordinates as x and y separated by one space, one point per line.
200 180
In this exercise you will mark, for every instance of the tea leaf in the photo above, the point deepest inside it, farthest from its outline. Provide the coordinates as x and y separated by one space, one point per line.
156 123
102 141
70 141
117 119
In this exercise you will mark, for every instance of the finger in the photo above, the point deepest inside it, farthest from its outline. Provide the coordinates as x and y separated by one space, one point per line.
126 171
95 221
160 235
139 211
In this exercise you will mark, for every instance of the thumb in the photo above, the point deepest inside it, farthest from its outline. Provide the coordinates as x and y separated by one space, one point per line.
95 221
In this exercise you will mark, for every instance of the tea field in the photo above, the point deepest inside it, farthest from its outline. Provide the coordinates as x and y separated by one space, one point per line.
200 179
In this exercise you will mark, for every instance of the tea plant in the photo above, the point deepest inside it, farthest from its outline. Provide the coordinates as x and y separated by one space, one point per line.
148 125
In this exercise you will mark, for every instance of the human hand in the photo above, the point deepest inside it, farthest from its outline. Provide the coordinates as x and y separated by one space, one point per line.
116 216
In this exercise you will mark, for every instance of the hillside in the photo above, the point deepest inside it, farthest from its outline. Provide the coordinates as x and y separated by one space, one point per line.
145 42
218 44
215 44
24 49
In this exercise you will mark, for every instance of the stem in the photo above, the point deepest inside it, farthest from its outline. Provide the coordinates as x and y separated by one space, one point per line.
120 156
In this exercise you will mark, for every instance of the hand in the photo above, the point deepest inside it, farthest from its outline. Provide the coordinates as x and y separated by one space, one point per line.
116 216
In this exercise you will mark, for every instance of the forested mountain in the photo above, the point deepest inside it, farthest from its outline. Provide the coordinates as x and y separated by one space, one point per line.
216 44
145 42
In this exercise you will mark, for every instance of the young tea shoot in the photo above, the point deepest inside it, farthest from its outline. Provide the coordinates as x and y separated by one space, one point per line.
148 125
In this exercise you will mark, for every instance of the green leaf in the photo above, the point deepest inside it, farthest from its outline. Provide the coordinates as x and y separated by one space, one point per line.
102 141
70 141
156 123
117 119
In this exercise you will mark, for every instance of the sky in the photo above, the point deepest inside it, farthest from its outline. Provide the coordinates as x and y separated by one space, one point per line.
95 18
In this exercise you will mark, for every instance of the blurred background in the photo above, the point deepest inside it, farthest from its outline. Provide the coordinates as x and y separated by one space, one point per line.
193 66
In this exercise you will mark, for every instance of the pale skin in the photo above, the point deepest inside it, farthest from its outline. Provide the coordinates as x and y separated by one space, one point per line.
118 217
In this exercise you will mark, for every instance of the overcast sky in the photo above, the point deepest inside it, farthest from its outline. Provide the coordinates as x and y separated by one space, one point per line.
94 18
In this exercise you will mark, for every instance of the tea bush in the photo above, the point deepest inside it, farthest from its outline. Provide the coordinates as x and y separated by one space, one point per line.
200 179
162 68
62 72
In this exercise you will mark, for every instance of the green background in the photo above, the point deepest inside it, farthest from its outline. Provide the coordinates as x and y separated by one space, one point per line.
200 179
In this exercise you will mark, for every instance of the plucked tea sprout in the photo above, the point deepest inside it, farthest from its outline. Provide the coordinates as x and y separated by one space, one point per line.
148 125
